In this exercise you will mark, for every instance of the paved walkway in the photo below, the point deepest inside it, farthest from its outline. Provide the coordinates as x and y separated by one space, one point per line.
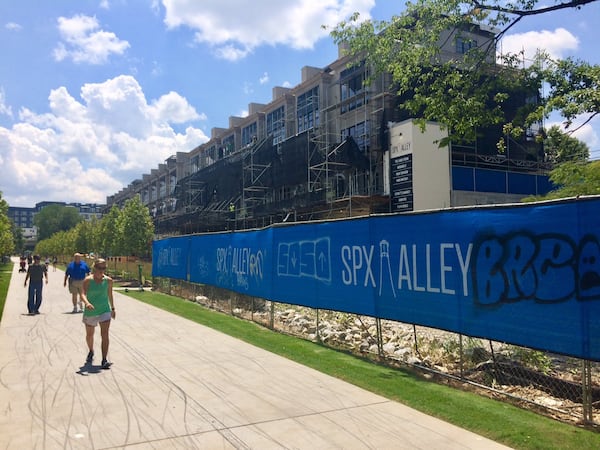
178 385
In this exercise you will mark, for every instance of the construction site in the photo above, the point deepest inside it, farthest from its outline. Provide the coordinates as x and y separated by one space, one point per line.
331 147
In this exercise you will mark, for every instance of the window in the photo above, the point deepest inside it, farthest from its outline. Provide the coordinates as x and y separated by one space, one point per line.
195 164
463 45
162 188
249 134
209 156
276 125
307 109
228 145
353 92
360 134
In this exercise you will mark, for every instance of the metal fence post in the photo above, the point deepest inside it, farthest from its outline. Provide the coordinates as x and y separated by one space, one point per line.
460 355
317 331
586 385
379 337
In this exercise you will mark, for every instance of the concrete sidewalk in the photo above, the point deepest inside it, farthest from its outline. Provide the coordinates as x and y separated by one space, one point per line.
176 384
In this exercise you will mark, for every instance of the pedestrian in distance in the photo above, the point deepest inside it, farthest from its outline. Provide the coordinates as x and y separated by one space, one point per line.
75 273
99 309
36 273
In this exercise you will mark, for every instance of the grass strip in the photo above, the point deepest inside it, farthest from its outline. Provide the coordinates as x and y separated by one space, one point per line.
496 420
5 275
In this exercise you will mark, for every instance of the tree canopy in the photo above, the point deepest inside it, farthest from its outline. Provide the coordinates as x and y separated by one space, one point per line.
120 232
54 218
7 239
470 91
560 147
136 227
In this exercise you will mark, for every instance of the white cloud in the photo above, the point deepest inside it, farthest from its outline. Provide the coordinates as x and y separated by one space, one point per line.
247 88
5 109
236 28
12 26
231 53
264 79
558 43
157 69
82 151
84 42
173 108
588 134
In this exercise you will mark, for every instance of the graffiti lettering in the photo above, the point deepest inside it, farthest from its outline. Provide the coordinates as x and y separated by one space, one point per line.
223 254
169 256
545 268
256 264
310 259
240 261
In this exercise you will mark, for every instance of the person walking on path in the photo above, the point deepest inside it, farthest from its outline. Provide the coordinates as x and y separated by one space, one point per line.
36 273
75 273
99 309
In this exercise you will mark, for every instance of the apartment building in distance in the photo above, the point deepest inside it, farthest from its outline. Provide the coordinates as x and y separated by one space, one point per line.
332 147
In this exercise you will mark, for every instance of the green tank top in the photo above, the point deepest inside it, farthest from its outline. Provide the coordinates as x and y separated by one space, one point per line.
97 294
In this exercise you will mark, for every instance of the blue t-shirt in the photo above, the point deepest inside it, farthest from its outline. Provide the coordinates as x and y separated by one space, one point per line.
77 271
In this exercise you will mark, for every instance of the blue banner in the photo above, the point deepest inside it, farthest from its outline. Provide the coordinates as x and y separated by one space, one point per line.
523 274
170 257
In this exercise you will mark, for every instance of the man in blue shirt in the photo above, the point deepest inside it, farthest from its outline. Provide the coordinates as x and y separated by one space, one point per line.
76 272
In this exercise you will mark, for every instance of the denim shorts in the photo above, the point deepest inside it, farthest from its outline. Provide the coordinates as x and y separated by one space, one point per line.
92 321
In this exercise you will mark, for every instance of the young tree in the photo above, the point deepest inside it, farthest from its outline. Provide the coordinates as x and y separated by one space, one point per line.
137 227
18 238
471 91
84 236
110 234
7 240
575 178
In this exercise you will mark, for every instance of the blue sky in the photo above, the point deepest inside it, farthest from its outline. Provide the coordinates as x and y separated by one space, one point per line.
95 93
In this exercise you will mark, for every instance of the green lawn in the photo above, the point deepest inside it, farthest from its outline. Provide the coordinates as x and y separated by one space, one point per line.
496 420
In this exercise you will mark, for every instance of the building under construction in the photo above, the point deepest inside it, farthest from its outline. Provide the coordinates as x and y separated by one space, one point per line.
330 147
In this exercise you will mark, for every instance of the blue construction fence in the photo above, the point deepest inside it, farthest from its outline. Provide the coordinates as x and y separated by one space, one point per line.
526 274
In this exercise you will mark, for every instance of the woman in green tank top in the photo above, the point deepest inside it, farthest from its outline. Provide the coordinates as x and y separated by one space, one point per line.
99 309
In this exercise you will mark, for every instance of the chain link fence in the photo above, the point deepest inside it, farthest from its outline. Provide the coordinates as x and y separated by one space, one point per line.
565 388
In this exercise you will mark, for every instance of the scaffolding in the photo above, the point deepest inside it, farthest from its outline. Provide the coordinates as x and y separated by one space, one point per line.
255 180
311 174
342 180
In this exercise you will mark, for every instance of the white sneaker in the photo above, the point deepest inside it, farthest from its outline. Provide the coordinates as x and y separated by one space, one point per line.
74 310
